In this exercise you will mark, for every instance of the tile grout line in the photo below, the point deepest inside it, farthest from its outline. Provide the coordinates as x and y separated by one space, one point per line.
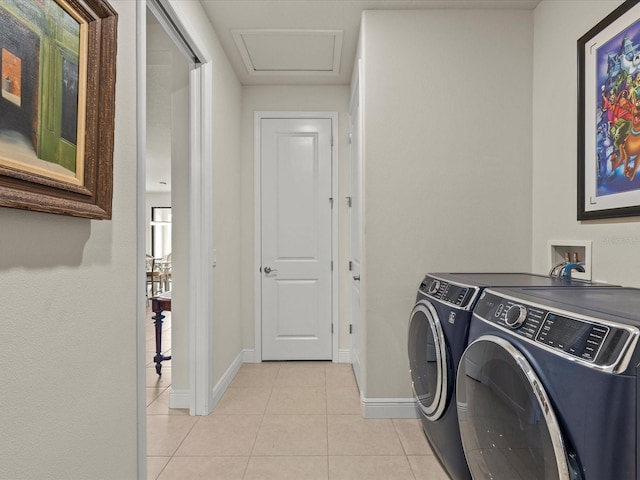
326 411
404 450
253 446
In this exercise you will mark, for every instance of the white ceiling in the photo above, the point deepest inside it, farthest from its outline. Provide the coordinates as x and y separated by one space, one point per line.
269 35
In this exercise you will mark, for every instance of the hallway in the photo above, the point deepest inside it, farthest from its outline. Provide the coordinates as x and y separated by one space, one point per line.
280 421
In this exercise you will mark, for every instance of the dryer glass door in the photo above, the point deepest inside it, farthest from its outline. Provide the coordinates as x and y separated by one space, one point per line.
507 424
429 360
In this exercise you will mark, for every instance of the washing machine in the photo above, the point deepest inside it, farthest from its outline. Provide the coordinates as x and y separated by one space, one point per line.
548 386
438 330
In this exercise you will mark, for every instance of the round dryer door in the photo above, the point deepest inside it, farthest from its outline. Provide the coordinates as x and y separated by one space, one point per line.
429 360
507 424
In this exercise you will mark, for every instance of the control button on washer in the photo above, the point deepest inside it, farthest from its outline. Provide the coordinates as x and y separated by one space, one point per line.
515 316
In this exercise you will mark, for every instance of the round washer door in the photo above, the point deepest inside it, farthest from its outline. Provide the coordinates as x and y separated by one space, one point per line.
507 424
429 360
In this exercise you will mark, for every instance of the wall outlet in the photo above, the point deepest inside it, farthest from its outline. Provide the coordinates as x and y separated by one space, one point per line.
558 249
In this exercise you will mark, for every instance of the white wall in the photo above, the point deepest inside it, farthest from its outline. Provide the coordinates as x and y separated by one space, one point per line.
615 242
447 162
291 98
227 201
153 199
180 313
68 294
225 138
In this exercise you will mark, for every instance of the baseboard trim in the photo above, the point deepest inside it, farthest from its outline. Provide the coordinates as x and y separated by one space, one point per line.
389 407
226 380
182 398
344 355
179 399
249 355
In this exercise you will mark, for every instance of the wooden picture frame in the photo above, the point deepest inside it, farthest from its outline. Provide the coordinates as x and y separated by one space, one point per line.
57 106
609 116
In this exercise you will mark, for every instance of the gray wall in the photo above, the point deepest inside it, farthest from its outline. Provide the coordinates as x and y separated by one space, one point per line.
447 162
68 294
68 356
615 243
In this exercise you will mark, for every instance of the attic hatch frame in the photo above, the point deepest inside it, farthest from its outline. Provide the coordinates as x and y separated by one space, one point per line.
200 396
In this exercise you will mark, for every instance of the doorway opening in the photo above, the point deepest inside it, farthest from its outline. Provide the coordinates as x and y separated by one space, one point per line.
186 92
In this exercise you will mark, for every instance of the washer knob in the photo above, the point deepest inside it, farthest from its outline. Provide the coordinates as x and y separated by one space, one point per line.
515 316
433 287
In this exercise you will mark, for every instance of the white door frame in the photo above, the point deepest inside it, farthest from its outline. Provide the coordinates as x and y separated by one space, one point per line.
356 139
200 221
257 194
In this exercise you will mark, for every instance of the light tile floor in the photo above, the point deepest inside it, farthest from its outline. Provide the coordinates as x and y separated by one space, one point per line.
281 421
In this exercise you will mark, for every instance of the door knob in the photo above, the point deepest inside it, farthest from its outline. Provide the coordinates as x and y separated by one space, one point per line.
268 270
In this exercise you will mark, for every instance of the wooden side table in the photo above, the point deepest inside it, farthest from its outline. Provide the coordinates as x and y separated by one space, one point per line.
160 304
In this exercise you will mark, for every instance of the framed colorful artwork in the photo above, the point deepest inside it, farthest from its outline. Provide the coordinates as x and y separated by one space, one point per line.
57 98
609 116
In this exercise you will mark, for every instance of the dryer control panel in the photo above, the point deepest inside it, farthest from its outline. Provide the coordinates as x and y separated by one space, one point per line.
448 292
589 340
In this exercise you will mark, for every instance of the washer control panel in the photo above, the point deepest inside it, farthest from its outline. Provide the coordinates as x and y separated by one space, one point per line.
586 339
448 292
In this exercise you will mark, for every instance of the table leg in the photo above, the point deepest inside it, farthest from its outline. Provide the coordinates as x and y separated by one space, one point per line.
159 358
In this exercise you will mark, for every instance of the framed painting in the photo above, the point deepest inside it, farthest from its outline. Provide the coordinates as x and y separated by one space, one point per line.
57 99
609 116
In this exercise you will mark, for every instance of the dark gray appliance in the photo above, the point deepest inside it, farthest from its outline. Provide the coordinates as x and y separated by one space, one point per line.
548 386
438 331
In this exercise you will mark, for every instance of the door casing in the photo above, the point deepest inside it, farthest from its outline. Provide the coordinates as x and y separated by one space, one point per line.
355 233
335 317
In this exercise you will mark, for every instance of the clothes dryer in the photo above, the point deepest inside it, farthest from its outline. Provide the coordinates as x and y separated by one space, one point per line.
548 387
438 330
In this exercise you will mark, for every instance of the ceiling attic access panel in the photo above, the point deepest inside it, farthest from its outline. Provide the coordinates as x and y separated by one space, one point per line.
290 52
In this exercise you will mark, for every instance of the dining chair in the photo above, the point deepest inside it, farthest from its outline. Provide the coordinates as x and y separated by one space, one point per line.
154 276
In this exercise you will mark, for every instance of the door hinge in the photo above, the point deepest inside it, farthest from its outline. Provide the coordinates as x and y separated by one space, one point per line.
332 329
332 265
350 265
331 201
350 328
348 201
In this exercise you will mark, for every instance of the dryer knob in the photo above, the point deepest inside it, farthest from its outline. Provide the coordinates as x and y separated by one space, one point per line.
515 316
433 287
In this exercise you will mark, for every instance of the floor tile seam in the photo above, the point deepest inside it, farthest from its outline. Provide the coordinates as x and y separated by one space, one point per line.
255 438
367 455
229 455
298 414
299 387
163 468
231 414
326 418
290 455
246 466
162 389
415 476
198 418
153 400
395 428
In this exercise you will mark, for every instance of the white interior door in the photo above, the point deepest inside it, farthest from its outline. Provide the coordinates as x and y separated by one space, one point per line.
355 232
296 239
